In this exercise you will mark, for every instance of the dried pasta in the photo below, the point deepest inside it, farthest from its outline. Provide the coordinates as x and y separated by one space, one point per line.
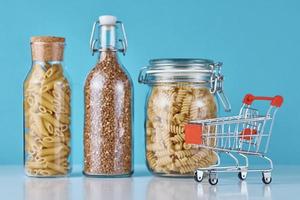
47 121
170 107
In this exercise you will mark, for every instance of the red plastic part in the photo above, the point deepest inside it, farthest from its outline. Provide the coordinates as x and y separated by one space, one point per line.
247 133
275 101
193 133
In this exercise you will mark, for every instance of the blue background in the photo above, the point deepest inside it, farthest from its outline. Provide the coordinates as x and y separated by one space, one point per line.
257 40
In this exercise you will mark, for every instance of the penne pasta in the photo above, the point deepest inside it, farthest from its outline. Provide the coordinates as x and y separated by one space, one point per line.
47 121
50 84
61 96
48 172
61 110
49 127
35 165
42 109
58 158
38 123
53 72
37 72
47 96
30 100
56 167
46 104
63 118
50 151
49 118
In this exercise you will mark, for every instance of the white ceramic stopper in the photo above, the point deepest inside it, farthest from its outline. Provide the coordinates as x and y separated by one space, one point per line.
107 20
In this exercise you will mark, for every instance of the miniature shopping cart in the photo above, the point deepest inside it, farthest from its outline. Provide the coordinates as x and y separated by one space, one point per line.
240 137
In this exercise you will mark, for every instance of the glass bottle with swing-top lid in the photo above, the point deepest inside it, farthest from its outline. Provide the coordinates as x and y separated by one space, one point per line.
108 105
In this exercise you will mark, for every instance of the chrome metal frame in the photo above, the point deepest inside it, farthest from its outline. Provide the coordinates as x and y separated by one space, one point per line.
228 137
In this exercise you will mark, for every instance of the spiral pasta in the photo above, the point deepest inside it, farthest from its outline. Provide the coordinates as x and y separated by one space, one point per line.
47 121
170 107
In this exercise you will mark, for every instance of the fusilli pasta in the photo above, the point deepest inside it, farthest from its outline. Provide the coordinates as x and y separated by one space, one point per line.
170 107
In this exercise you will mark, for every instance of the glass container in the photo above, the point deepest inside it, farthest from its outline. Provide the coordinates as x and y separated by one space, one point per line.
47 96
108 106
180 90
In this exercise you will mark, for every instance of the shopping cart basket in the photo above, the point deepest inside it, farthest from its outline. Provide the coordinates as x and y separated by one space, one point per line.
239 137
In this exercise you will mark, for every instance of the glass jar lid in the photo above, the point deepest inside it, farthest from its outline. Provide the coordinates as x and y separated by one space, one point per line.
186 70
174 70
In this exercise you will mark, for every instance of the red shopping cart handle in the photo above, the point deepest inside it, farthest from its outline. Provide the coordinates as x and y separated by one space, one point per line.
275 101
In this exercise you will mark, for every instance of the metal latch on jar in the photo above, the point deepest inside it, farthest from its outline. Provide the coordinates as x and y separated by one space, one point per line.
94 41
217 85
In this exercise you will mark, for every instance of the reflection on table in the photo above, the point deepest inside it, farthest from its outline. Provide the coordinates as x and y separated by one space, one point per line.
140 187
108 188
171 188
46 189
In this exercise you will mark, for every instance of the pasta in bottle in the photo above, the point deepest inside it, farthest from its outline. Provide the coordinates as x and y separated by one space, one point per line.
180 90
47 96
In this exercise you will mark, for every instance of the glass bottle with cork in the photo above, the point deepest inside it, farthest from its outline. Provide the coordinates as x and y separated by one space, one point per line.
47 111
108 105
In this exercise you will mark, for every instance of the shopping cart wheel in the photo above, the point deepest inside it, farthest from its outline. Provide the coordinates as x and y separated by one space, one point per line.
213 179
198 176
242 175
267 178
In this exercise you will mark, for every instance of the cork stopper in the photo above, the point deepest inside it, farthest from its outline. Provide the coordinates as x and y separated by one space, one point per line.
47 48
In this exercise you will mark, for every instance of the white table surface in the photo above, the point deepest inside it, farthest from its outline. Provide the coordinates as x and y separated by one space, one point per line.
15 185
